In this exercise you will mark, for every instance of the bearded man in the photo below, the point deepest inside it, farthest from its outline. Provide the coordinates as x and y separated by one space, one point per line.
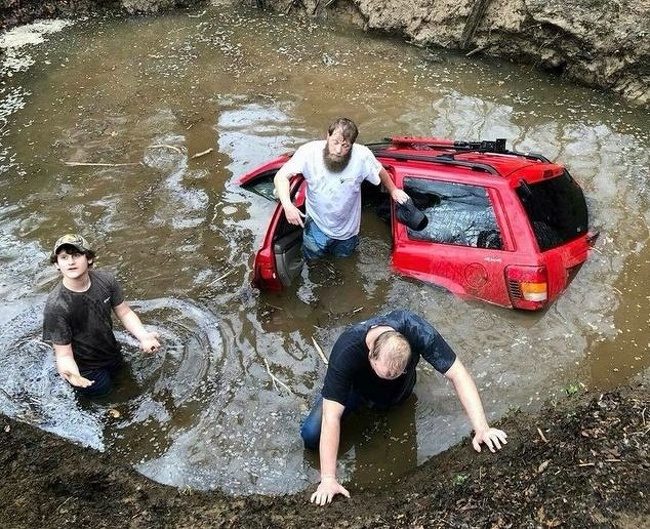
334 170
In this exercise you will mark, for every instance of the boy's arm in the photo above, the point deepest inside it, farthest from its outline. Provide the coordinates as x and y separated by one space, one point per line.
67 367
471 401
148 340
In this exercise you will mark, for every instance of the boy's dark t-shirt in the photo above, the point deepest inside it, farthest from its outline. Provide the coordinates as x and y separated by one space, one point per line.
83 319
349 367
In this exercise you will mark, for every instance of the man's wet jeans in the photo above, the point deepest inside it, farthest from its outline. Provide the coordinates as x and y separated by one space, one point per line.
310 429
103 381
316 244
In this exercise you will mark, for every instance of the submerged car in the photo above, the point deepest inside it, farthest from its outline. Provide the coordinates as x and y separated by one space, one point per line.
505 227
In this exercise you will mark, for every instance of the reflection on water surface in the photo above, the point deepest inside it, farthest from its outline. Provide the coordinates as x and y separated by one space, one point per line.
179 234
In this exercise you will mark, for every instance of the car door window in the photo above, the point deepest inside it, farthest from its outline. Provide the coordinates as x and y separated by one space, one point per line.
263 185
458 214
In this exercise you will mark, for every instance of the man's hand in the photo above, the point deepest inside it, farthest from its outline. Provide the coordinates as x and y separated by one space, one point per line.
149 342
77 380
294 215
492 437
398 195
327 489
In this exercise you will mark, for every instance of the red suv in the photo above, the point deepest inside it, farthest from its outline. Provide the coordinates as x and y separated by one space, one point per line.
505 227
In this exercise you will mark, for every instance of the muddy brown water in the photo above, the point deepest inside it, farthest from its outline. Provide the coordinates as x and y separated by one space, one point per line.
179 234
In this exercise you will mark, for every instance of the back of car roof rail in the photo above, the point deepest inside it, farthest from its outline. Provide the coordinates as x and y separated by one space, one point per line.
497 146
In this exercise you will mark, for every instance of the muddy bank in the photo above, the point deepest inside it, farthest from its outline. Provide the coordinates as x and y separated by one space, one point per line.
602 44
580 463
15 12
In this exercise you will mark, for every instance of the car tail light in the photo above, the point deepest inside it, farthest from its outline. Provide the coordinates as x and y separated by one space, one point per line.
527 286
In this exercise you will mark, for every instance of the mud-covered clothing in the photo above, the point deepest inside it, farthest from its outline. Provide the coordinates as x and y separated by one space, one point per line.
83 319
349 368
334 199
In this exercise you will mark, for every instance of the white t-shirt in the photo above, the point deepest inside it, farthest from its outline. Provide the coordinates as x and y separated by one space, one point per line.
334 199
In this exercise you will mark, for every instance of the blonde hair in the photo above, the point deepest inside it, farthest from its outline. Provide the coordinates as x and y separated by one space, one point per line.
392 349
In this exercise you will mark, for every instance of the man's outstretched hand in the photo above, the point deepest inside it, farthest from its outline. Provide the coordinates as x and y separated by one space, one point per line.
77 380
327 489
493 438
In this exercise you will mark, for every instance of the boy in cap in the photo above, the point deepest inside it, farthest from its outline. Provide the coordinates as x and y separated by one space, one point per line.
77 319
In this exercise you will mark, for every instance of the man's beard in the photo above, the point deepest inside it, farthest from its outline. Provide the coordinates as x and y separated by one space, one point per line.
335 165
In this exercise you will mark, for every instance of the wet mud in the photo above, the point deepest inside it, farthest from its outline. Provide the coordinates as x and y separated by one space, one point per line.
579 463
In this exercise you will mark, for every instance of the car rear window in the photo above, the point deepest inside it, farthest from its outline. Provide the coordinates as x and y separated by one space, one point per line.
457 214
556 209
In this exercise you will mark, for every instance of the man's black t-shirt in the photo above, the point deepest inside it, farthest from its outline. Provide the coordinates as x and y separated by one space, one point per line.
349 367
83 319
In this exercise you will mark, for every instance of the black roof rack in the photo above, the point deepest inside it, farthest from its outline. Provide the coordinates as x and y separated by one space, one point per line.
530 156
497 146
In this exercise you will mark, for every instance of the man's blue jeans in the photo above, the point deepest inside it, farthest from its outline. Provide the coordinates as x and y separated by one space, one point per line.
310 429
315 244
103 379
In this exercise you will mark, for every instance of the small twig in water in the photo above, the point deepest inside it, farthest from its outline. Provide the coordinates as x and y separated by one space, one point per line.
319 351
275 379
475 50
202 153
224 276
89 164
166 146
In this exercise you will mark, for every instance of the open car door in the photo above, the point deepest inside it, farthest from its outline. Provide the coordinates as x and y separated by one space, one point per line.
279 258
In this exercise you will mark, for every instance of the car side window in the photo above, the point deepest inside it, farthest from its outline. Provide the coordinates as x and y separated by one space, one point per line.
263 186
458 214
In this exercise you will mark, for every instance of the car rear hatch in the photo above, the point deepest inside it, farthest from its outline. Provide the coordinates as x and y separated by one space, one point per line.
559 220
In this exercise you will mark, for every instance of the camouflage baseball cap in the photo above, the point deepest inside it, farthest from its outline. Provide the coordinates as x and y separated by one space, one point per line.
71 239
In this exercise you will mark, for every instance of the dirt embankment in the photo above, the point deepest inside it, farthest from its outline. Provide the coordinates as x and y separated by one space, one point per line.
600 43
604 44
15 12
582 463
